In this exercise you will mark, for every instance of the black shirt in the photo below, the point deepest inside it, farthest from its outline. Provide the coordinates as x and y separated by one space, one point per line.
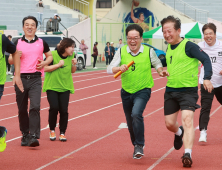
192 50
45 45
7 45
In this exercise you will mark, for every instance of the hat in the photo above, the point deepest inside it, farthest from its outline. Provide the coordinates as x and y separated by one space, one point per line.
111 43
55 14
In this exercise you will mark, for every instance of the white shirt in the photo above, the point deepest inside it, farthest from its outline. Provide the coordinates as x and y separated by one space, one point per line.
215 54
155 61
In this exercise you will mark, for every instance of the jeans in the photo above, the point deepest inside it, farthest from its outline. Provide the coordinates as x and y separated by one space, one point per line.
29 121
133 106
1 91
85 61
108 59
40 17
94 61
58 102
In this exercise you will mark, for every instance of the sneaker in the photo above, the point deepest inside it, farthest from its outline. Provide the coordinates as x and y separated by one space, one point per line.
2 139
11 77
9 73
94 67
178 142
52 135
186 160
62 138
33 142
25 139
138 152
203 136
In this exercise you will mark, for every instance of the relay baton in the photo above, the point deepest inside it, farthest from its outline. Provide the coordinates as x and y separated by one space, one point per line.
120 72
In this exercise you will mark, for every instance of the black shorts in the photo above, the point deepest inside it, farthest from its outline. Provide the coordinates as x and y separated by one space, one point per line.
175 101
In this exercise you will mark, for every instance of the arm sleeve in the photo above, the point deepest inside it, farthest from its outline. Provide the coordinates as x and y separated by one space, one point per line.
115 62
46 47
194 51
155 61
8 45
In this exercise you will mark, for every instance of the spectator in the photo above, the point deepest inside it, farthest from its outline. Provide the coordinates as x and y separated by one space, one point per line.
95 54
40 7
6 58
55 23
120 44
107 53
49 25
83 47
113 51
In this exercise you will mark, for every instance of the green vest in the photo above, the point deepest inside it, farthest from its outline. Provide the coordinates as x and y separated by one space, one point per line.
2 64
139 75
60 80
183 70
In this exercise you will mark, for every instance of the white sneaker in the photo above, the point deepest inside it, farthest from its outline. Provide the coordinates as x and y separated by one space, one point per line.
94 67
203 136
9 73
11 77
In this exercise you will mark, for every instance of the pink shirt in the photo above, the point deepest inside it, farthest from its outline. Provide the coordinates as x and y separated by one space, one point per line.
83 47
31 53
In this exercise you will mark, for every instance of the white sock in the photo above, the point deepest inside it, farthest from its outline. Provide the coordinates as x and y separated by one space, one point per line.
188 151
179 132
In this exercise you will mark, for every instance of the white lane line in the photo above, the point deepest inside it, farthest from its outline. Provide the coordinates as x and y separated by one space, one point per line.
109 134
72 76
171 149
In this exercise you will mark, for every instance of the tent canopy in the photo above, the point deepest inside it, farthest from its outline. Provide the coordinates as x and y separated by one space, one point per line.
188 30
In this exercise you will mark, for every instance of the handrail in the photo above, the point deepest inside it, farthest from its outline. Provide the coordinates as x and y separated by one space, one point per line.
199 14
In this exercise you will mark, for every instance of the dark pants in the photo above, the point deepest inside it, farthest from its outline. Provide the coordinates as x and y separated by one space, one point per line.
1 91
206 103
94 61
58 102
133 106
85 61
108 59
7 63
29 122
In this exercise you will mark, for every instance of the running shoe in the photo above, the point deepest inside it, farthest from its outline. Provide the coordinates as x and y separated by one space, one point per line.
178 142
186 160
52 135
3 139
33 142
62 138
203 136
138 152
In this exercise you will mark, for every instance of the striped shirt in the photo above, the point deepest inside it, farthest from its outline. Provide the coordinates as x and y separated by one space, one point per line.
215 54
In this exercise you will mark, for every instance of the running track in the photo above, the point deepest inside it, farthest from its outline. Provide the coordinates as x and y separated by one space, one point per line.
94 140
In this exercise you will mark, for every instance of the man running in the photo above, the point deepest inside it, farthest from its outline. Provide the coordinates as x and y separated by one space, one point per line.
181 90
213 48
137 82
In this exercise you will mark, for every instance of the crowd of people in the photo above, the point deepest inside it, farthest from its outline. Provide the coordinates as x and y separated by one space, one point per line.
181 92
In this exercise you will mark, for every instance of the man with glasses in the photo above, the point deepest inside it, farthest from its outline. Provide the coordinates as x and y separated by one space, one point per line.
137 82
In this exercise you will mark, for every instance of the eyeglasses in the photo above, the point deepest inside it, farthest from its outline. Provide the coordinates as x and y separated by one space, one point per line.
133 39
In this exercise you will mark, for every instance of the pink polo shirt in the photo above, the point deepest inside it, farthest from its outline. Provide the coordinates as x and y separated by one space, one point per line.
31 53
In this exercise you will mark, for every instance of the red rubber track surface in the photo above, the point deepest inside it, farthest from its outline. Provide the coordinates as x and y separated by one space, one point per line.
94 140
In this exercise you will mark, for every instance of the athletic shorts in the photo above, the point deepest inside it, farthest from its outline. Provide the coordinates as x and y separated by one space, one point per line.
175 101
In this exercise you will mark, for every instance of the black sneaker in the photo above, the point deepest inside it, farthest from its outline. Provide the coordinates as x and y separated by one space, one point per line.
33 142
178 142
186 160
25 139
138 152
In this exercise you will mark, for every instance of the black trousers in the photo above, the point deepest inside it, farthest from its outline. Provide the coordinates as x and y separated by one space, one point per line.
7 63
206 103
58 102
94 61
85 61
29 121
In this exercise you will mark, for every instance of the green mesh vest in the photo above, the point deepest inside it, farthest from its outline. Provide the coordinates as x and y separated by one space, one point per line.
2 64
139 74
60 80
183 70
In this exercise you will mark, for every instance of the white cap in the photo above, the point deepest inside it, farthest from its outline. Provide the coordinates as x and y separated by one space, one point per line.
111 43
55 14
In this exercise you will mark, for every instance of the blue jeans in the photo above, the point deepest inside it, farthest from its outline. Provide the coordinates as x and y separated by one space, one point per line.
40 17
133 106
108 60
1 91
